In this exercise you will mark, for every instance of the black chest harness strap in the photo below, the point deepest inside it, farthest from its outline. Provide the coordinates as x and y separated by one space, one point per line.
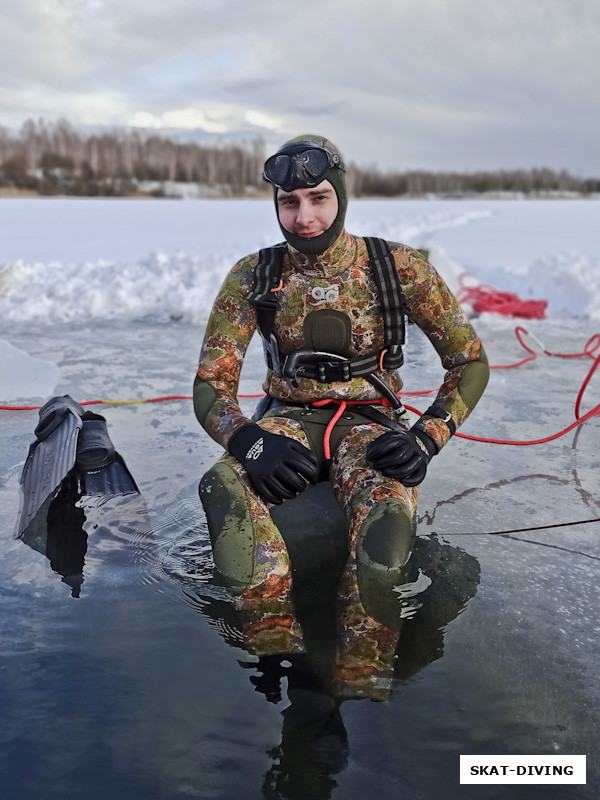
393 302
322 366
330 367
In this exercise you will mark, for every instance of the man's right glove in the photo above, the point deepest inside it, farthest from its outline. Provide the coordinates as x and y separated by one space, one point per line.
278 467
402 455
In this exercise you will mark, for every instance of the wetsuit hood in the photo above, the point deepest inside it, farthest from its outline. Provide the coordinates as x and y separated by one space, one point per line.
336 177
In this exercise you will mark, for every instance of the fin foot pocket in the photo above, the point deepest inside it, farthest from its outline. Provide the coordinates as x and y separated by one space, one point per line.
100 469
53 413
94 447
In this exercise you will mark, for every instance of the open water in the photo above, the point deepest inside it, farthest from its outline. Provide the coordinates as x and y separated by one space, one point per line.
140 688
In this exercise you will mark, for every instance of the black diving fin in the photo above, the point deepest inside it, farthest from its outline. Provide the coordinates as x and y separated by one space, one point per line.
70 443
100 469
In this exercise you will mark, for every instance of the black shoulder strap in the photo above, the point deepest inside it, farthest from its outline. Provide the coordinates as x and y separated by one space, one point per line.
263 295
391 294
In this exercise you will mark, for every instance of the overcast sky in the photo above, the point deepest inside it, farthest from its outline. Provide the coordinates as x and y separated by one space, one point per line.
434 84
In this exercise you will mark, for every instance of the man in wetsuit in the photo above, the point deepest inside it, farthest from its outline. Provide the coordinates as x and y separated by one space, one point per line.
333 341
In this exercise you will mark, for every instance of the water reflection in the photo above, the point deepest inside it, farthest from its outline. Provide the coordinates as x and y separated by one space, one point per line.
57 531
319 648
61 528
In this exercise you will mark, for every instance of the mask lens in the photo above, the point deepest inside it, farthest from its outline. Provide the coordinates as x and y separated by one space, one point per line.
315 163
277 168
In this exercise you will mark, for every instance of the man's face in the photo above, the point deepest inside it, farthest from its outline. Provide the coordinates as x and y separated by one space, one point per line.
308 212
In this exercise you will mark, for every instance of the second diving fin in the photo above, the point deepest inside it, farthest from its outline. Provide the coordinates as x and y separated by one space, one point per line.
100 469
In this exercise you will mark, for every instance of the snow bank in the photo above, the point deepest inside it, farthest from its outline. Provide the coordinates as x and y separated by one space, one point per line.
514 246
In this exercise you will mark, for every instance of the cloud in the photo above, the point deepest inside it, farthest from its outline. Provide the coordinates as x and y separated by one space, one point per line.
411 83
182 118
264 121
212 119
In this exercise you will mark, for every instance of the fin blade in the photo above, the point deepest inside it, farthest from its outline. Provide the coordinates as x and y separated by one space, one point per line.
112 479
47 465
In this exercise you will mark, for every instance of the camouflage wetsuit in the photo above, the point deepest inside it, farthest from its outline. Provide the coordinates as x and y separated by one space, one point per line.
248 548
328 301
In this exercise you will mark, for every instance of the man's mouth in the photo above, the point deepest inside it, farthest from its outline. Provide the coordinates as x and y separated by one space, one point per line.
309 234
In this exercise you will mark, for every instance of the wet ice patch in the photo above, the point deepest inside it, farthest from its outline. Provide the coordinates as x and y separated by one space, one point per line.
416 587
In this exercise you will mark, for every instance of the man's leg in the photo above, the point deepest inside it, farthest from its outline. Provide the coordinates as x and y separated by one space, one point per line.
380 514
249 551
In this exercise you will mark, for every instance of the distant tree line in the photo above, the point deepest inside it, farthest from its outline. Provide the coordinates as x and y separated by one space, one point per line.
55 158
420 182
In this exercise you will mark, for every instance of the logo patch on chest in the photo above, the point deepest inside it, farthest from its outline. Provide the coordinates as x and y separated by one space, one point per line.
328 294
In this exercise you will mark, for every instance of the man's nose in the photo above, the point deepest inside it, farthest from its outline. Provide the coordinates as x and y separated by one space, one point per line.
305 212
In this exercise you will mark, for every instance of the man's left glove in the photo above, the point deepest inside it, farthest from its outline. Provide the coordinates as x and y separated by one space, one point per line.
278 467
402 455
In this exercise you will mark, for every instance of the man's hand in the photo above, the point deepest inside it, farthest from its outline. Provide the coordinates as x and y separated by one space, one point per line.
278 467
402 455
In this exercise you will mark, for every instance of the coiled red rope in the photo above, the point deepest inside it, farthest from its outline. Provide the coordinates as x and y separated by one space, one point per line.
484 298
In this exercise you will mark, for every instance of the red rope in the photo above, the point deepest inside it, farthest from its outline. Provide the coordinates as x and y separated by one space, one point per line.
342 406
591 346
330 426
589 351
533 355
484 298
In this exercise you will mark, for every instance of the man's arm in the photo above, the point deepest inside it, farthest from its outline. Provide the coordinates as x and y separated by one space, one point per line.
432 306
278 467
228 333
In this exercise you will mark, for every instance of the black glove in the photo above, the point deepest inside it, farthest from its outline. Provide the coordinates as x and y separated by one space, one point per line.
402 455
278 467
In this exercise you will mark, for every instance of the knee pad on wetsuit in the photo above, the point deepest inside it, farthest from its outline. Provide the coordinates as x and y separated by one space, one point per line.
383 549
387 534
229 524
